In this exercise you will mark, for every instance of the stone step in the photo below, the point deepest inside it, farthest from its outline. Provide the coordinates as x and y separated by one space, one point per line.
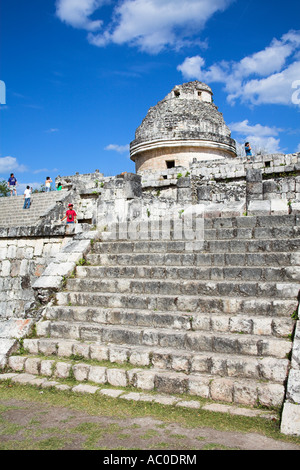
268 221
210 246
180 401
23 213
218 304
196 221
182 287
230 390
192 273
280 327
37 200
182 233
12 213
193 341
224 365
257 259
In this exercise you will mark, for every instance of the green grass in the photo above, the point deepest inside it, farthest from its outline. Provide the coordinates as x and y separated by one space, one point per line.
99 405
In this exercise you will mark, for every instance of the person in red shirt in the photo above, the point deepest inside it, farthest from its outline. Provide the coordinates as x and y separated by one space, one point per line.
70 215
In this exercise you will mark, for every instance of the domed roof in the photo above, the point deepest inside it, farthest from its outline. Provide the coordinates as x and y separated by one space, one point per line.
187 112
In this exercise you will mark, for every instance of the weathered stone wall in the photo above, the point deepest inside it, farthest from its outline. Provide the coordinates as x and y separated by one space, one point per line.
290 423
25 253
272 165
35 261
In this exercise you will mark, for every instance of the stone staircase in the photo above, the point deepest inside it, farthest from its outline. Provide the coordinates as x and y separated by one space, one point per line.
213 322
12 213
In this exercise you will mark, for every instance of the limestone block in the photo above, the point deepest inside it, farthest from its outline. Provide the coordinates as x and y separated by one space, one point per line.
287 290
15 328
253 175
38 248
140 358
65 348
296 348
11 252
295 207
245 393
180 364
16 362
262 326
32 365
293 388
59 269
279 207
31 345
199 386
43 328
28 253
111 393
97 374
62 370
117 377
132 396
81 372
81 349
47 367
222 390
290 421
145 380
48 282
99 352
270 395
48 348
254 188
24 267
5 268
85 388
220 323
259 207
76 246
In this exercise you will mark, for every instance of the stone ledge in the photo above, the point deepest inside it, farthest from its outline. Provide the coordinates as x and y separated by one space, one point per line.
162 399
290 422
40 231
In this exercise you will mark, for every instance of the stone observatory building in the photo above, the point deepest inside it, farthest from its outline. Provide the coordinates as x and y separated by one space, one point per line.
184 127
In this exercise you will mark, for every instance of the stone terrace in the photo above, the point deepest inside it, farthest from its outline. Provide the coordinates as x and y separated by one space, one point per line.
12 213
214 322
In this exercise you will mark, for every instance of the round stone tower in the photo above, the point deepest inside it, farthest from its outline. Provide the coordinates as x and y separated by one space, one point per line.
185 126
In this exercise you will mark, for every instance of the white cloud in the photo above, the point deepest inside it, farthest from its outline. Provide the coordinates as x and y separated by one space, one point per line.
50 131
45 170
10 165
245 128
261 138
117 148
265 77
298 148
77 12
150 25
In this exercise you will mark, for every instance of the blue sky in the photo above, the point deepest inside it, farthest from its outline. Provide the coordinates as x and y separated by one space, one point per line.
80 76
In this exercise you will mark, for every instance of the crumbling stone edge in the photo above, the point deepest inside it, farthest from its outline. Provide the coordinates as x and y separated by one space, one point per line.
290 419
52 279
50 282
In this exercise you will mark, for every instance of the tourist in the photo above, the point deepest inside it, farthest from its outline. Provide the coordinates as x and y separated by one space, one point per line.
248 149
59 186
70 215
27 194
48 184
12 183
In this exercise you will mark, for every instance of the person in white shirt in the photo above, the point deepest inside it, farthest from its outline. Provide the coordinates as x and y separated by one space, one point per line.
48 184
27 194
